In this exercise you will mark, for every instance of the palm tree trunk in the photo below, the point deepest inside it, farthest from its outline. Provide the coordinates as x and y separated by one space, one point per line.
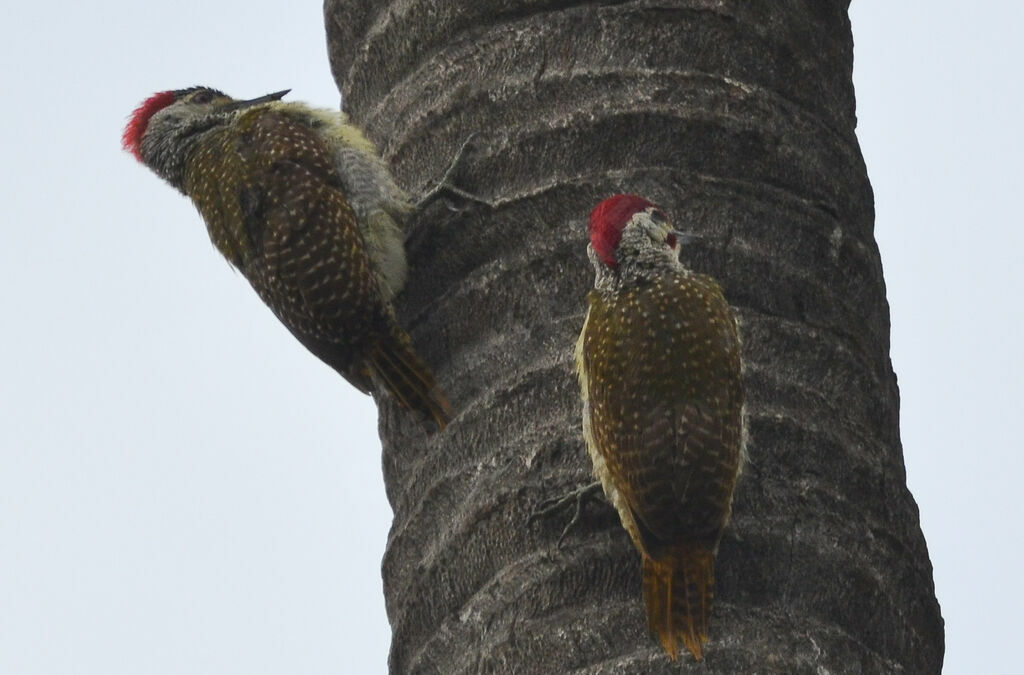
738 119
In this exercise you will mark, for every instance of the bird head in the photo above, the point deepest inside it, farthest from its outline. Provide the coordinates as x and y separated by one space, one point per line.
168 123
628 228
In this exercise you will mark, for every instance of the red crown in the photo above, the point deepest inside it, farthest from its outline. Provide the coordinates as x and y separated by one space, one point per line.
607 221
136 127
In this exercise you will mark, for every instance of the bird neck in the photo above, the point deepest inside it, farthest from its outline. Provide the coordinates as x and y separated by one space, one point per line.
641 267
166 149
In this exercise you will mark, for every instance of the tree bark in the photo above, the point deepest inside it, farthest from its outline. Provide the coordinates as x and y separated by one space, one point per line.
738 119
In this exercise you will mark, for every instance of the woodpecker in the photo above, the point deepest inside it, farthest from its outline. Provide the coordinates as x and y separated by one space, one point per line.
658 362
298 201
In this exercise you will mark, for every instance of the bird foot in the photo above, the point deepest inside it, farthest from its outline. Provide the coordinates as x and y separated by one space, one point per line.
445 186
577 497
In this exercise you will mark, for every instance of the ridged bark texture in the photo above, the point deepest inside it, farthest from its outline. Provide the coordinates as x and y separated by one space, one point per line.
738 119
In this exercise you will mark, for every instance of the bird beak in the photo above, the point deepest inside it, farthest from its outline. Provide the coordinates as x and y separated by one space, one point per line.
266 98
685 238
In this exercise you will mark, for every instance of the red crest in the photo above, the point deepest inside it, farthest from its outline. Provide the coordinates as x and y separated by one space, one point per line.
136 127
607 221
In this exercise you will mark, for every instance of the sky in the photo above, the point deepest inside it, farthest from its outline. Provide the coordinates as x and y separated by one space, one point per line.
183 489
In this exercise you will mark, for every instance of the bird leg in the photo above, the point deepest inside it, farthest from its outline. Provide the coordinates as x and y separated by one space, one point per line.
445 186
577 497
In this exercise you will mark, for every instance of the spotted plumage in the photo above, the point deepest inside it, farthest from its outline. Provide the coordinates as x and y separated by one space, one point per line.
659 367
298 201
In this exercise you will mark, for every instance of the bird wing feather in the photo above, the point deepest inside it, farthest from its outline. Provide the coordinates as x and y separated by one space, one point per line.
312 269
667 429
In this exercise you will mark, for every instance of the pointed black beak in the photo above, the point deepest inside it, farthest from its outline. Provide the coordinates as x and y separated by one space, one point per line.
266 98
685 238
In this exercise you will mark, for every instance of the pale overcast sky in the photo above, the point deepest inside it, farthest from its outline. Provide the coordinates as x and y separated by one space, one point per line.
184 490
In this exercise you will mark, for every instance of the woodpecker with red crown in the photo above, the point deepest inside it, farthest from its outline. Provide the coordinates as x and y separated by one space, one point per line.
298 200
659 367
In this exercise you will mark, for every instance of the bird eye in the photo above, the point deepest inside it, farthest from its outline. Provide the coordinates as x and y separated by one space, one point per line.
658 216
202 96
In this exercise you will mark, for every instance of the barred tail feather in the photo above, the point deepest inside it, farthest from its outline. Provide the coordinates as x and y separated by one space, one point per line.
678 590
406 377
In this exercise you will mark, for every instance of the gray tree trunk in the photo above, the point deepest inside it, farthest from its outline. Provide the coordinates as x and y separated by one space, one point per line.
738 119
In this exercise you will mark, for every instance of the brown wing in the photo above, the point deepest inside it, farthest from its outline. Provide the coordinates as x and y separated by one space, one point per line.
665 401
309 263
276 208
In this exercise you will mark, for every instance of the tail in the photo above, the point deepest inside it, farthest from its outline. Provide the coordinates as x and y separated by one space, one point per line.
678 590
404 374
